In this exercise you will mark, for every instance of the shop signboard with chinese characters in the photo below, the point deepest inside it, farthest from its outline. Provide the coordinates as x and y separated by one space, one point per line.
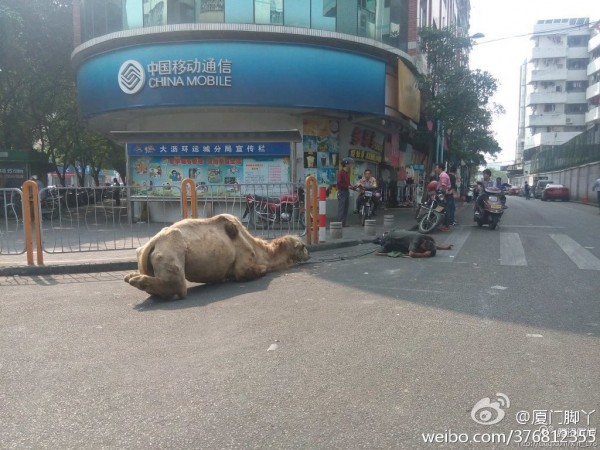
217 168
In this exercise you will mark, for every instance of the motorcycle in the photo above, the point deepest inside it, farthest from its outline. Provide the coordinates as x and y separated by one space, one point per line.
492 210
366 203
432 212
266 211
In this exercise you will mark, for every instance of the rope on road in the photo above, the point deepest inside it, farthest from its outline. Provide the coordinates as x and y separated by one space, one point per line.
339 258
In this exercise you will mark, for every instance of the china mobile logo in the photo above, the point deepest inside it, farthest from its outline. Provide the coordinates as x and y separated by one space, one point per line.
131 77
487 412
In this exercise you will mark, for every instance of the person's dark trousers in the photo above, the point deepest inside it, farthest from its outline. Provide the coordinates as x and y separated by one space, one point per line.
343 202
450 210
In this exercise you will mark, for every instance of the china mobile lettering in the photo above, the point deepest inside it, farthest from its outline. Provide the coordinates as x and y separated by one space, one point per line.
200 80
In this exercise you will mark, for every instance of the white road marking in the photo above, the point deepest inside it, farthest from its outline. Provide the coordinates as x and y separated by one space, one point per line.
457 240
579 255
511 250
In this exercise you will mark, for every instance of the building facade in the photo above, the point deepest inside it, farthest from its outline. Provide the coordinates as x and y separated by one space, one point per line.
557 82
592 94
234 92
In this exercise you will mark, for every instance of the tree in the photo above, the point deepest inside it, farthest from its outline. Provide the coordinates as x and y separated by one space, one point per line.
458 96
38 101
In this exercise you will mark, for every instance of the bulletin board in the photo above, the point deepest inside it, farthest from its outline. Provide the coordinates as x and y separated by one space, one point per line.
222 176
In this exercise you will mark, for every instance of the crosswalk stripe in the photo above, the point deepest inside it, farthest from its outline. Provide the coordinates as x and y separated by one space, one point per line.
578 254
511 250
457 240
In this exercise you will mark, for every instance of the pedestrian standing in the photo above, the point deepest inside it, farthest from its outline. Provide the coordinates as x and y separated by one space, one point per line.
451 204
117 191
596 187
527 190
343 190
445 186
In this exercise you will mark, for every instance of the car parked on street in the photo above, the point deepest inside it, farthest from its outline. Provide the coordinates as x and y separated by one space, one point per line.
514 190
555 192
539 187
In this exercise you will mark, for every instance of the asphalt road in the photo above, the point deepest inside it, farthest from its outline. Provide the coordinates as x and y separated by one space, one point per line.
349 351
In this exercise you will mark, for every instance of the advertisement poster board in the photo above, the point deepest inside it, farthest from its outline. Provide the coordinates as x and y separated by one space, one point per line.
321 151
215 173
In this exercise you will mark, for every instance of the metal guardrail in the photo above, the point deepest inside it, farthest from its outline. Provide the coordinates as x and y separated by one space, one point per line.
117 218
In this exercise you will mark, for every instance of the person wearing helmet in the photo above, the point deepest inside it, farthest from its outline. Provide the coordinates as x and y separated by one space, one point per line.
343 190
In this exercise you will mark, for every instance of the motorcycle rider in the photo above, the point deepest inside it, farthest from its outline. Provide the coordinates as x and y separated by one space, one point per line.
527 191
368 181
487 182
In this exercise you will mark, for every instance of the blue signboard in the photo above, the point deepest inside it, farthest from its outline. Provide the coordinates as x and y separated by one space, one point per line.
218 149
230 74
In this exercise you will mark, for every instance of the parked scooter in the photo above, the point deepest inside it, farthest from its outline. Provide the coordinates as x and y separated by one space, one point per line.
264 211
492 209
367 198
432 212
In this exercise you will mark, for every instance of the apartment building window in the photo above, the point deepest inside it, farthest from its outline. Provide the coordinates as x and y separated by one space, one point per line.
577 64
549 107
577 108
576 86
577 41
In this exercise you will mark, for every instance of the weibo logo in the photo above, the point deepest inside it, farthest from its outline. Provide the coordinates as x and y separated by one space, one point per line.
131 77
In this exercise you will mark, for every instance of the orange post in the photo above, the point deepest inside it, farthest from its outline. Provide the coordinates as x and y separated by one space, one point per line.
31 201
312 209
184 198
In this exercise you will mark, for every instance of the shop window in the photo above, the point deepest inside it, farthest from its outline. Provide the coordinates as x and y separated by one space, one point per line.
268 12
133 15
211 11
155 13
181 11
297 13
239 11
320 19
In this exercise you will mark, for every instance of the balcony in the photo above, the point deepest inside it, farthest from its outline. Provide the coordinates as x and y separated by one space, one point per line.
578 52
537 98
555 119
577 75
592 116
592 91
546 120
548 52
594 43
593 67
549 75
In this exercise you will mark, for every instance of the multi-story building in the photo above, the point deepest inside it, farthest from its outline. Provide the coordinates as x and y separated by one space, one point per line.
251 91
592 94
557 82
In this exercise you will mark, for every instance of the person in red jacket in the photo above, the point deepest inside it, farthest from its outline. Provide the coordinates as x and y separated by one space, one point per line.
343 187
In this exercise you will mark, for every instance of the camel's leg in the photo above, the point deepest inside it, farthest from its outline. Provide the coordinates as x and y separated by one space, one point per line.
168 280
250 273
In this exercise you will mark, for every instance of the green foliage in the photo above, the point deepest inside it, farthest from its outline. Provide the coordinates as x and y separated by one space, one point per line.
38 104
458 96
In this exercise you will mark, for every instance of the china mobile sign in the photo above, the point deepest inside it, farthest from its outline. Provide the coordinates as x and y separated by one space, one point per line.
169 73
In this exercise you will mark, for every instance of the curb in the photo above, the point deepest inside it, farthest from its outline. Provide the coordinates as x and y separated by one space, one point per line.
116 266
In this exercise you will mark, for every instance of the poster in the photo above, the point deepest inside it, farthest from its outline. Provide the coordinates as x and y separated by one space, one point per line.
212 175
320 143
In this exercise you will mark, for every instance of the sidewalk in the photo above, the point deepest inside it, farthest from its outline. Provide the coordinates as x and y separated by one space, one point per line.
118 260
